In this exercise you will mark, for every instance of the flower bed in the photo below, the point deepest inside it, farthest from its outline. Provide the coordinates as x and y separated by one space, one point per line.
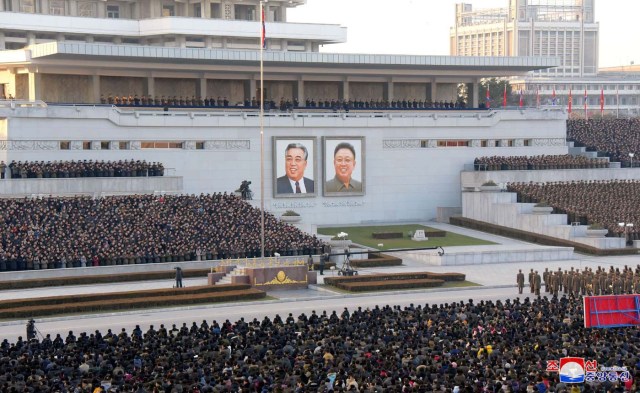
100 279
387 235
389 285
141 300
109 296
395 276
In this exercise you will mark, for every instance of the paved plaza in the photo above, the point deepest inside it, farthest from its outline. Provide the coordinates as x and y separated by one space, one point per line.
497 281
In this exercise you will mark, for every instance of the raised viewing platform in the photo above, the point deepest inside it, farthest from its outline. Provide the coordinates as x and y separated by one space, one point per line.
90 186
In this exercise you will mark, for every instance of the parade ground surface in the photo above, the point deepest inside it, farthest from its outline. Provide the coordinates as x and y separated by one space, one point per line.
497 281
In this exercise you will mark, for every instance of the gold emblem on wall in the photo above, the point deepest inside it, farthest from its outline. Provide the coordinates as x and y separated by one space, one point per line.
282 279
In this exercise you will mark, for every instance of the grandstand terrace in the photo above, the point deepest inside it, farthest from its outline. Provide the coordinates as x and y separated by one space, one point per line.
54 233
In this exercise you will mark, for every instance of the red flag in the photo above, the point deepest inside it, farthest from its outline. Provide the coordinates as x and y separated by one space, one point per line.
586 100
521 103
553 97
263 36
570 100
488 98
504 96
601 102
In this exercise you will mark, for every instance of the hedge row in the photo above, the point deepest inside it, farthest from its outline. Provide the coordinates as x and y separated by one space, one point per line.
115 296
395 276
141 302
100 279
531 237
389 285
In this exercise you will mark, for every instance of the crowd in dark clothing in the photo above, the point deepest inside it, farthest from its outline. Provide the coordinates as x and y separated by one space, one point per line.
485 346
561 161
282 105
80 231
615 138
603 203
85 168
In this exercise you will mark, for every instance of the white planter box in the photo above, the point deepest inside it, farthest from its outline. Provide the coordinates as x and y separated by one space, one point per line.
290 219
597 232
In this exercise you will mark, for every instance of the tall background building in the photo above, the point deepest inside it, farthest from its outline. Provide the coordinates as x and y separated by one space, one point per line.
563 28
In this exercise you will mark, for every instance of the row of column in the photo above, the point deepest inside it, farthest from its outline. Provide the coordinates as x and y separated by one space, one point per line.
251 87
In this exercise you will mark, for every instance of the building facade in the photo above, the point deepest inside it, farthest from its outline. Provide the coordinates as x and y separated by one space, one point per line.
61 57
565 29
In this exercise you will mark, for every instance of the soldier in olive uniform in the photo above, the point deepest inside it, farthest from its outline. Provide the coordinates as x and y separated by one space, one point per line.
520 280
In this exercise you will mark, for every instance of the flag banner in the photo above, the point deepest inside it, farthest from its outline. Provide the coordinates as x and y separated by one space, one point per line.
601 102
263 35
586 102
570 101
488 98
504 96
521 101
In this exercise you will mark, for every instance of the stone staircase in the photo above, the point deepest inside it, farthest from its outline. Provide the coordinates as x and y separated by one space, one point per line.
236 271
502 208
582 151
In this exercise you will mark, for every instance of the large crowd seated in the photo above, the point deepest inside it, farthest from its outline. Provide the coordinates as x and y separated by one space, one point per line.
467 347
563 161
282 105
48 233
81 168
615 138
604 203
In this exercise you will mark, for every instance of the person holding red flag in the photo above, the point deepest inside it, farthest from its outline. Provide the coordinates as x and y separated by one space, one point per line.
488 98
504 96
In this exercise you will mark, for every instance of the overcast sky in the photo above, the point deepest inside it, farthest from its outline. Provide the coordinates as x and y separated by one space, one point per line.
421 27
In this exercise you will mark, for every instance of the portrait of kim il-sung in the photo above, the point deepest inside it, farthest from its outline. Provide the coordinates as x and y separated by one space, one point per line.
294 167
344 166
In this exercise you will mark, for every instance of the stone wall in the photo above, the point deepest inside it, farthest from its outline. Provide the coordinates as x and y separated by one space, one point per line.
411 91
322 90
230 88
366 91
170 87
66 88
122 86
278 90
22 87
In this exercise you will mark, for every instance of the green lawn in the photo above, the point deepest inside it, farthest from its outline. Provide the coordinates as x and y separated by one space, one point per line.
363 235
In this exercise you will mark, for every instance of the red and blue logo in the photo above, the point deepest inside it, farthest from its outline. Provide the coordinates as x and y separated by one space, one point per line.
572 370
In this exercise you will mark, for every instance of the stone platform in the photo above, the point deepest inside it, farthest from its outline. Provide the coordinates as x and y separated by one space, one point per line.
480 255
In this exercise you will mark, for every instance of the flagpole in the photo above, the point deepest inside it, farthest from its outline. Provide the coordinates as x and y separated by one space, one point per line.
262 42
617 103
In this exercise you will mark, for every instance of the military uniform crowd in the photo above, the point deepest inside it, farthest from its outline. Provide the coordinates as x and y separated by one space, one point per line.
584 282
524 163
614 137
84 168
53 233
604 203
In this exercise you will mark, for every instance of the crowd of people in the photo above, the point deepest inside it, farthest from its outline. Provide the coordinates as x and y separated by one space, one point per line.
604 203
283 105
486 346
84 168
526 163
582 283
48 233
614 137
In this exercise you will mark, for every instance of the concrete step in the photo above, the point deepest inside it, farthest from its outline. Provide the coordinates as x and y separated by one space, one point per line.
570 144
577 151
